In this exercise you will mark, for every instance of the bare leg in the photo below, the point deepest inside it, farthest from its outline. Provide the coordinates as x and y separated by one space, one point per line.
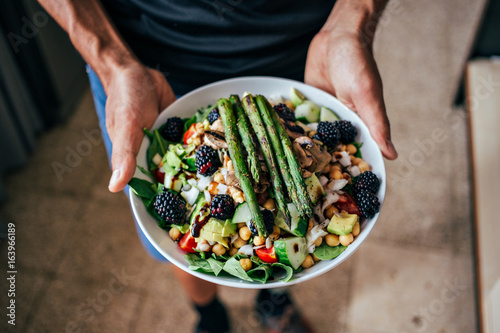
201 292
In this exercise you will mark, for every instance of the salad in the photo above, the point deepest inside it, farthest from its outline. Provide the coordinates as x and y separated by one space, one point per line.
258 188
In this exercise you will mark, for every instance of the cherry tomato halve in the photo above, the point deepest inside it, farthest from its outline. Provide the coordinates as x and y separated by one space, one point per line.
189 133
267 255
188 243
346 202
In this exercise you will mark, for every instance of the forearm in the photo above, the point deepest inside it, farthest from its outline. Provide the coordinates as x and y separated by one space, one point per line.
355 17
93 35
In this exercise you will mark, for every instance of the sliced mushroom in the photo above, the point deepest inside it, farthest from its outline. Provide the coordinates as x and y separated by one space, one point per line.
303 155
231 179
321 156
217 126
293 130
214 139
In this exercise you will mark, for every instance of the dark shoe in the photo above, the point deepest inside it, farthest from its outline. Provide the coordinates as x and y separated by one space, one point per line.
213 318
278 313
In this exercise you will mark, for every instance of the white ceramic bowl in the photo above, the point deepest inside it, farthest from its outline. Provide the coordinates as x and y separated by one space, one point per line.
267 86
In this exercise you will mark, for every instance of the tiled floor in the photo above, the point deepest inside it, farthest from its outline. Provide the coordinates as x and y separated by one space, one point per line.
81 265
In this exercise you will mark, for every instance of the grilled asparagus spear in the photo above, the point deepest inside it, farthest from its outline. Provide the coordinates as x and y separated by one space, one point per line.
247 138
240 168
293 163
260 131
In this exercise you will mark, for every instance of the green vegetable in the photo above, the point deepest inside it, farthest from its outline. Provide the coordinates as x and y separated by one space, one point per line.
265 113
158 146
247 138
182 228
240 168
299 224
327 115
197 263
293 163
233 267
143 188
260 273
215 265
188 122
307 112
262 136
202 113
325 252
291 251
277 267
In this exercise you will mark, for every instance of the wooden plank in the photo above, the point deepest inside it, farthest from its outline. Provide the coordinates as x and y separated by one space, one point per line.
483 103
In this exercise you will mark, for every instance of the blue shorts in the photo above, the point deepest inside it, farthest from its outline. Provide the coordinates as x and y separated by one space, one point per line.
100 103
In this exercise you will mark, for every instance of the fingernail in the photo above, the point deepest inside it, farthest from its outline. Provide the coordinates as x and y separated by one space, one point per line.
391 147
114 177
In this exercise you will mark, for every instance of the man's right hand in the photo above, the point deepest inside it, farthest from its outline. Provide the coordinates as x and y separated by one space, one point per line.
135 96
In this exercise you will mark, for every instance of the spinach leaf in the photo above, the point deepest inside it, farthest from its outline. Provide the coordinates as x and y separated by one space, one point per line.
147 173
202 113
325 252
215 265
233 267
158 146
188 122
142 188
358 151
196 263
279 267
260 273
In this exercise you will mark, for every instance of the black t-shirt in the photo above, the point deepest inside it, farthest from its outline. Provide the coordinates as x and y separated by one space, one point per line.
195 42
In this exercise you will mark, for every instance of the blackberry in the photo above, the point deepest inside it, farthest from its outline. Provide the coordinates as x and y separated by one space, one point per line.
284 112
222 206
173 129
207 160
171 207
368 203
213 116
348 131
295 128
268 223
367 181
327 133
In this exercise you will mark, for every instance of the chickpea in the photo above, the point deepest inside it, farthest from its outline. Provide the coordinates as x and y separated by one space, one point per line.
218 249
269 204
241 225
330 211
363 166
347 177
290 105
174 233
336 174
308 262
346 240
233 251
343 148
230 165
239 242
355 160
318 241
246 264
316 259
351 149
212 188
257 240
311 225
332 240
245 233
219 178
276 233
356 229
326 170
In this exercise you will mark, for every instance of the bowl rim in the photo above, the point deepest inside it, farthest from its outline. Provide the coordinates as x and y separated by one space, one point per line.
234 281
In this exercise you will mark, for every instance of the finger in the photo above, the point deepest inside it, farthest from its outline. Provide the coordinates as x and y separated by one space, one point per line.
126 141
371 108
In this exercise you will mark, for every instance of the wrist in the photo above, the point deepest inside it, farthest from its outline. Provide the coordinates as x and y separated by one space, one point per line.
355 18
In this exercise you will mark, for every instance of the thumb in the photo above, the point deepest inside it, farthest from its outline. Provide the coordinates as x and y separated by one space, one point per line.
126 139
371 108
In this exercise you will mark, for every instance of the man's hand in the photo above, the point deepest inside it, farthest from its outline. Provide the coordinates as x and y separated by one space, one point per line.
340 62
136 95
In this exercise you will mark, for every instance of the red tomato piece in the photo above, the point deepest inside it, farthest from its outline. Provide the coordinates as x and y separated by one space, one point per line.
188 243
189 133
346 202
267 255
